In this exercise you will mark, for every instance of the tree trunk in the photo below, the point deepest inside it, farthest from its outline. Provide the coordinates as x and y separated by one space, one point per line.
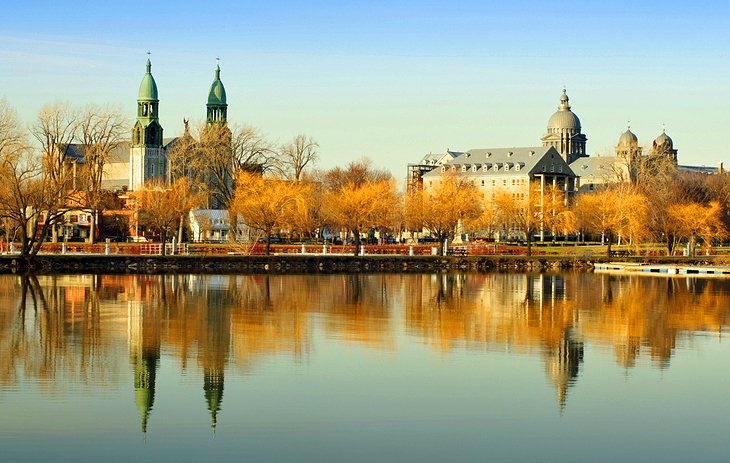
529 243
356 231
163 237
180 229
608 248
92 228
267 249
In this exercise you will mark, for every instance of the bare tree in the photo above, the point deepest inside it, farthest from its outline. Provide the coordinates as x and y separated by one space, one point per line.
101 131
299 153
227 151
56 129
183 158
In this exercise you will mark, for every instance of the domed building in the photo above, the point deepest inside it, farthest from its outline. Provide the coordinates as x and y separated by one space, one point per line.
664 146
564 132
627 149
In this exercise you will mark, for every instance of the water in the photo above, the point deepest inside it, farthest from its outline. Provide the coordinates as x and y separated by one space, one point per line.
461 367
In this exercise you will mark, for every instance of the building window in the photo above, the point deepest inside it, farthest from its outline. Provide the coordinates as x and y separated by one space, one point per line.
482 182
504 182
494 183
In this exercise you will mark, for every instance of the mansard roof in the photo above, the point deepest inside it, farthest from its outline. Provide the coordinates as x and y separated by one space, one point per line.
499 161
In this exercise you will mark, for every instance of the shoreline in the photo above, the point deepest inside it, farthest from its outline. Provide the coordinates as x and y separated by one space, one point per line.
297 263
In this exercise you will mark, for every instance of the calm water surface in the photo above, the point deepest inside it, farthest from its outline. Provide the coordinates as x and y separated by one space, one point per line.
493 367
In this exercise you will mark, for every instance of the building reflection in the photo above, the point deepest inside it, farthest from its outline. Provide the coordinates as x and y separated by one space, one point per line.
144 352
74 328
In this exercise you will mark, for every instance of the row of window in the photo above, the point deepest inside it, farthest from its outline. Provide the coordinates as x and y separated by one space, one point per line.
494 167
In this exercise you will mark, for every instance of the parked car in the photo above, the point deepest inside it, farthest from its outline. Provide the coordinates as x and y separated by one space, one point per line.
274 240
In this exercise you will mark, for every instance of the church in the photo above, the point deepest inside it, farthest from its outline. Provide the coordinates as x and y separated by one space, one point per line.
146 158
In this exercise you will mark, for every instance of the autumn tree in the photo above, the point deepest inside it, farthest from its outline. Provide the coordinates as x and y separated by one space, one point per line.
618 210
519 211
358 197
451 202
297 155
266 204
184 197
163 208
693 221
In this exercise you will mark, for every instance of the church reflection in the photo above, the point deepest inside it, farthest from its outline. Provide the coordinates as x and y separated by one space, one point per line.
72 327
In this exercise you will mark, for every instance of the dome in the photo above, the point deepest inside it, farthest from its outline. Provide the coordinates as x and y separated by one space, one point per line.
564 118
217 94
148 87
663 142
628 139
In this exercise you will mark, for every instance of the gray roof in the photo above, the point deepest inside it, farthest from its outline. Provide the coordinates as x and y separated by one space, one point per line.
497 161
597 167
119 154
699 169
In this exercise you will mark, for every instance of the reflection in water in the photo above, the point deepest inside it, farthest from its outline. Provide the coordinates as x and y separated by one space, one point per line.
72 329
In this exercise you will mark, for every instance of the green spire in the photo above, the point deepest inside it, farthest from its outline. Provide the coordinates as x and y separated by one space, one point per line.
217 94
148 87
217 108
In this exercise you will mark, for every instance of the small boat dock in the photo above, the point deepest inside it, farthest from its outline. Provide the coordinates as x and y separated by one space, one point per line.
662 269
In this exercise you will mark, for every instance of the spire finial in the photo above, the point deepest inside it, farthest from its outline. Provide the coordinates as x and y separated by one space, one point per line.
628 125
149 63
217 68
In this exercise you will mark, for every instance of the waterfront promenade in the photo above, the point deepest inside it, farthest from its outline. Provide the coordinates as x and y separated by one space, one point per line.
320 263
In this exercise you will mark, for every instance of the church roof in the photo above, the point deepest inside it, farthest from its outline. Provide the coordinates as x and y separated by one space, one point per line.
627 139
663 141
148 87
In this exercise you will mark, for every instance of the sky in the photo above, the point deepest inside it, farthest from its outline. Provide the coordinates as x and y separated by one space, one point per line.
390 80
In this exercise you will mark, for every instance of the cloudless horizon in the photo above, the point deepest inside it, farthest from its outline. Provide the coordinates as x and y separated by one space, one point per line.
390 81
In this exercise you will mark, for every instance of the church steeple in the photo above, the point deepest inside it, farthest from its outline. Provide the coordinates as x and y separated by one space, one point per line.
217 107
146 157
147 131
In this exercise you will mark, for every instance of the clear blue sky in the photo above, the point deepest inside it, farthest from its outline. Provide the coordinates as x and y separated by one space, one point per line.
390 80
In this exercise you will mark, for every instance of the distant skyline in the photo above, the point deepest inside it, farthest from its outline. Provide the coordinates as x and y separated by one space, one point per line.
391 81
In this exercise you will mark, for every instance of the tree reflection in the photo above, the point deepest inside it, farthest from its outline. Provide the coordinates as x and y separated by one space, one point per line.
69 329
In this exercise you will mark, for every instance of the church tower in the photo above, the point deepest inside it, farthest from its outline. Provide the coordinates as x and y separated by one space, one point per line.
216 139
217 106
564 132
146 158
